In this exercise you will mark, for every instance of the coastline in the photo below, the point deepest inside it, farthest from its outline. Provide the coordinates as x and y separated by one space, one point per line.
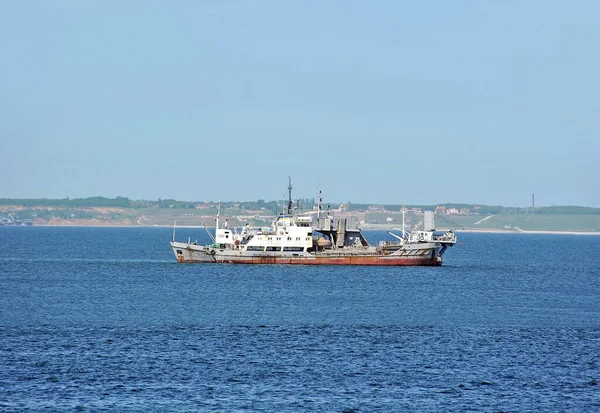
549 232
368 228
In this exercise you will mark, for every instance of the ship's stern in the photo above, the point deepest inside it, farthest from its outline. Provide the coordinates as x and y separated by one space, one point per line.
185 252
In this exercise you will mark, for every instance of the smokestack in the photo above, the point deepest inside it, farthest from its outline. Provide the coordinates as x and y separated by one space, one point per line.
532 201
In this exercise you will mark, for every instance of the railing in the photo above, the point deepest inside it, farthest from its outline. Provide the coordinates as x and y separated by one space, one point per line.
447 238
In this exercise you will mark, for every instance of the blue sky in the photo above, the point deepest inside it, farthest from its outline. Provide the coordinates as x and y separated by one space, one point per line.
418 102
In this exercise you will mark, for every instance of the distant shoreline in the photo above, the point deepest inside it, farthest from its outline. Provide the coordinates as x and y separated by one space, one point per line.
368 228
549 232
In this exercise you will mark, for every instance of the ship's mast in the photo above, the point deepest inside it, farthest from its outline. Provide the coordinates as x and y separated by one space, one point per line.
403 210
319 201
290 196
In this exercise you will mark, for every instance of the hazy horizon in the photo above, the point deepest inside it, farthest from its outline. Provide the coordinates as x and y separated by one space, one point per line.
381 103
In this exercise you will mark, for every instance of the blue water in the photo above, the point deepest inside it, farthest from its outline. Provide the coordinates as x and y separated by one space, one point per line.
103 319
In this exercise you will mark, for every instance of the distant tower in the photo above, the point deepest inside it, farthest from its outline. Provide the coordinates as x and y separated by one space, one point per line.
533 201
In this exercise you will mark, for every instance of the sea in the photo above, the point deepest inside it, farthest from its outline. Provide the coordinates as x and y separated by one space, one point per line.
105 320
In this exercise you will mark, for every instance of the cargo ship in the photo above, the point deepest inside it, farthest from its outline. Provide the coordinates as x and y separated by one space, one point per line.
299 239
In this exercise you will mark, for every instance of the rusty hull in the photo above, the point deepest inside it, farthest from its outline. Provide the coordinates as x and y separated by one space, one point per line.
370 260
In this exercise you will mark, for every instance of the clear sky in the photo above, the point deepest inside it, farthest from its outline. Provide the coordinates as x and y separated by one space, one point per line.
417 102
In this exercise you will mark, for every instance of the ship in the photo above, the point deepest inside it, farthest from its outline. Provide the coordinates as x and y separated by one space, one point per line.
303 239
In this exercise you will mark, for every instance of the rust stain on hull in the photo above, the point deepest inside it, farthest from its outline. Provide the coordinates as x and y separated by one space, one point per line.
365 261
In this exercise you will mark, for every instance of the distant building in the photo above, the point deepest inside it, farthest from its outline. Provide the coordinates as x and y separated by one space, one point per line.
440 210
376 208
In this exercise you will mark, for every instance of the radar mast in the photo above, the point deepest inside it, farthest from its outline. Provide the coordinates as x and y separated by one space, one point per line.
289 211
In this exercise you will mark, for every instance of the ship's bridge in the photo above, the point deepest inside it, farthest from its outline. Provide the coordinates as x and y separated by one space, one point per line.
287 221
303 221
